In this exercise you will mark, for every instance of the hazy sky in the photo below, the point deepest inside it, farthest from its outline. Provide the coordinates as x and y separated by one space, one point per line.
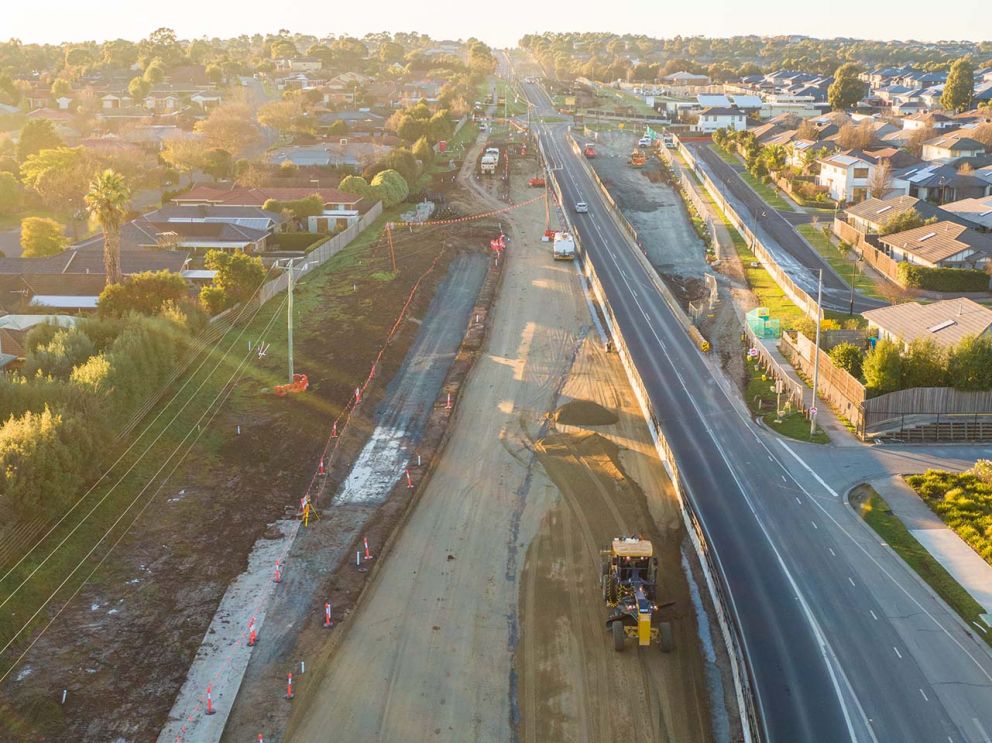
499 23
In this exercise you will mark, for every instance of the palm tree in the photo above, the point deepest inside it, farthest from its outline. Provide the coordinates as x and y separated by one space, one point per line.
107 201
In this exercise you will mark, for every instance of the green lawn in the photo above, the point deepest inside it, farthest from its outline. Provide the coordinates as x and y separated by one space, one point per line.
877 514
727 157
768 193
838 259
762 401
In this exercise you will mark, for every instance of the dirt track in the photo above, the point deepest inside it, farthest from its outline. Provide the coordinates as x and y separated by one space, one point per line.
430 654
573 685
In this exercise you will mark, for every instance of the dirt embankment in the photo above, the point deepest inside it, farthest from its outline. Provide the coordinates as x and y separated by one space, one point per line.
123 646
572 684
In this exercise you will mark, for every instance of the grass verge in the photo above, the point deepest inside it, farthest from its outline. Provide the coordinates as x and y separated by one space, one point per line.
767 193
877 514
761 400
839 260
963 500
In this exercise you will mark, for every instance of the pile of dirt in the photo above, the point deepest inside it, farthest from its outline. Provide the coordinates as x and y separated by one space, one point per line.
585 413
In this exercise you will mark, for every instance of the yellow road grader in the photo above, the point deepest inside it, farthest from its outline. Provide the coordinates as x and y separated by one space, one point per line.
630 572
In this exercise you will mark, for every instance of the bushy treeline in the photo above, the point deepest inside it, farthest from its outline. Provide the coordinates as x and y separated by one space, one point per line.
77 387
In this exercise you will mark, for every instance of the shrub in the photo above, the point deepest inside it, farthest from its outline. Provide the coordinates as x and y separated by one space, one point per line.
67 348
145 293
942 279
969 364
238 277
882 368
907 220
848 357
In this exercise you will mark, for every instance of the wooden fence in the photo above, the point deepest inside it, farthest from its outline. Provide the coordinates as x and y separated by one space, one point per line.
878 260
835 385
321 255
917 406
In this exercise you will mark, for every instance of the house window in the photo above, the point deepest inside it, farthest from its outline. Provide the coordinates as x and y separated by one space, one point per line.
861 172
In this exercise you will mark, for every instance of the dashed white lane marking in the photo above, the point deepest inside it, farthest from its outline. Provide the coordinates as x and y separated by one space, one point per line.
924 695
873 615
831 551
981 730
851 581
814 525
897 652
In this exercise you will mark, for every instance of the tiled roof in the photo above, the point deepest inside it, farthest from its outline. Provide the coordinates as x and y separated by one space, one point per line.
946 322
939 241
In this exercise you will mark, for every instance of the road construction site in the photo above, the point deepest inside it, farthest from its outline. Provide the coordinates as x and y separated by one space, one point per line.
486 619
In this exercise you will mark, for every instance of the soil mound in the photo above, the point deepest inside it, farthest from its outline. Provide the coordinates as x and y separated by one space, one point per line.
584 413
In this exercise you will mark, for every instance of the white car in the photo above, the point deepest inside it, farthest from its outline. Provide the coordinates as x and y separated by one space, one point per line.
644 142
581 207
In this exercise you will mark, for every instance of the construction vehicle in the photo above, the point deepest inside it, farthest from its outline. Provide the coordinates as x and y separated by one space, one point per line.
637 159
630 572
536 182
564 247
489 162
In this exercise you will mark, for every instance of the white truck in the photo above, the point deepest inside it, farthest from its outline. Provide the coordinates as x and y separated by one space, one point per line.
490 159
564 247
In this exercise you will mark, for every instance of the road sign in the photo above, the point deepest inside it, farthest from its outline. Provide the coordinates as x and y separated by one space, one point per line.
812 411
752 352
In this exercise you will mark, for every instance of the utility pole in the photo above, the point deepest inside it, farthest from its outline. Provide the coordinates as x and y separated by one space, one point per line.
816 354
289 320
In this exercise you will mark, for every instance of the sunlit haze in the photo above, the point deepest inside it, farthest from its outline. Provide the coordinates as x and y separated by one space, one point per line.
502 24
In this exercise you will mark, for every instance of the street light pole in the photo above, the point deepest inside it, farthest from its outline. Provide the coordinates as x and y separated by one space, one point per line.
289 321
816 354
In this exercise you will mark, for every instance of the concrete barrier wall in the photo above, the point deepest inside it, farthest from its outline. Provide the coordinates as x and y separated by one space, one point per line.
715 582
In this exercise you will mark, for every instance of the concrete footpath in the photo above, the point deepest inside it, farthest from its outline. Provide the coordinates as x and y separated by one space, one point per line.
960 560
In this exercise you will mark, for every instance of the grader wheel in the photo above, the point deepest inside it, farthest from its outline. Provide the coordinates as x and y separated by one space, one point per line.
666 637
618 636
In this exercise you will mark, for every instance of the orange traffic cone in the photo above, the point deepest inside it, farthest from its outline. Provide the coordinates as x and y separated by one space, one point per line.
277 577
210 701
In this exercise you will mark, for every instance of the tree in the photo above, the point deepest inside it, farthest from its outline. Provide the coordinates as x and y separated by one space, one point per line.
959 91
285 116
882 368
880 180
969 364
355 184
856 136
214 74
914 144
11 193
422 151
218 163
145 293
107 201
339 128
59 176
186 154
301 209
390 52
138 88
846 89
907 220
401 160
983 134
154 73
390 187
440 127
238 277
61 87
37 135
848 357
230 127
41 236
924 365
410 129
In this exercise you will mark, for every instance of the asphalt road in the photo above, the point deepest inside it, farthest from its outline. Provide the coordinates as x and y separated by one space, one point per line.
842 642
778 234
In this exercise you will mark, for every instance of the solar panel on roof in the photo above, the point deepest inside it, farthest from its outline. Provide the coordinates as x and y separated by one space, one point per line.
928 236
942 325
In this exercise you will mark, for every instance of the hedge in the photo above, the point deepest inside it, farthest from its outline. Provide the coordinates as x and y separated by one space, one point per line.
295 240
943 279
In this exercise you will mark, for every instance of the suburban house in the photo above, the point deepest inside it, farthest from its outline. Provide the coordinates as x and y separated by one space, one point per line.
299 64
237 196
944 183
253 217
871 215
686 78
711 119
845 176
951 146
344 152
946 322
977 212
943 244
938 121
